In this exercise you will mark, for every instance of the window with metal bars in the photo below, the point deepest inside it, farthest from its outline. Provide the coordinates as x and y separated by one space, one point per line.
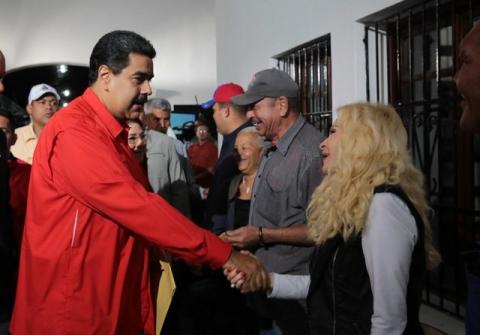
411 51
310 66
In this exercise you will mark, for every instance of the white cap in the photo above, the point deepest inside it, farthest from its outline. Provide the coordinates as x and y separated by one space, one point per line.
40 90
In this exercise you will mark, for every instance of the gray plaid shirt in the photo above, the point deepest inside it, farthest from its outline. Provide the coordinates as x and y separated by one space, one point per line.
287 176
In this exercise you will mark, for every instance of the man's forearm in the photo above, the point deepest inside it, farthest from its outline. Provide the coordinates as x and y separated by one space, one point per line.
294 235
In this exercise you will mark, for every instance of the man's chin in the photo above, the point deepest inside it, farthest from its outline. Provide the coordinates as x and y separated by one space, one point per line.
470 120
136 108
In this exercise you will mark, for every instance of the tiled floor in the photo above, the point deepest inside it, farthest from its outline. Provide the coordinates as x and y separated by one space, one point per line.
444 322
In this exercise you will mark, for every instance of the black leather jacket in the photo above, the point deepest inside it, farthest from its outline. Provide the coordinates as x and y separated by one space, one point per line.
340 298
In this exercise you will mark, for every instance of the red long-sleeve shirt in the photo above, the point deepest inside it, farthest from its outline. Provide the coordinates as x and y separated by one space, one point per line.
18 180
203 158
84 260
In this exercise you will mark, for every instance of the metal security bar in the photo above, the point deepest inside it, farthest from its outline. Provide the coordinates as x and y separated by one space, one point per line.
310 65
410 51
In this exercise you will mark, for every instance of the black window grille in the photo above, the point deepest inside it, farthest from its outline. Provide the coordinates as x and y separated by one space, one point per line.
310 65
410 51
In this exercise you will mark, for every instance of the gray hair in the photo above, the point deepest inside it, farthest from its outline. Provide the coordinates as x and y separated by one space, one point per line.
159 103
252 130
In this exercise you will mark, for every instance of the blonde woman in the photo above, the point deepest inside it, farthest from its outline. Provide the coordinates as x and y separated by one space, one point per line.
369 220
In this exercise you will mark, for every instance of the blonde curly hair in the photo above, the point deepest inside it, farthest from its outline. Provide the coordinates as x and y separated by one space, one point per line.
372 151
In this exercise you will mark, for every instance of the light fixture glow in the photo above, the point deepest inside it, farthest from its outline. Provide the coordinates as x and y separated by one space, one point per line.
62 68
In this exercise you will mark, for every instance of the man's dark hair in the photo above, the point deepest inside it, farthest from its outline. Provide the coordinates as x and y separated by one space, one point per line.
240 110
113 50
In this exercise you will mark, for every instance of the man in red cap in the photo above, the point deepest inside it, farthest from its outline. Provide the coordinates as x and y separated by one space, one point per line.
230 119
211 302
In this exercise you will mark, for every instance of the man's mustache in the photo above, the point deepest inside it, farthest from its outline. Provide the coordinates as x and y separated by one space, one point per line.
140 100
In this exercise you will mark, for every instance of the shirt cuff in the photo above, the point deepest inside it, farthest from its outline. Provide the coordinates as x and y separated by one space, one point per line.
218 251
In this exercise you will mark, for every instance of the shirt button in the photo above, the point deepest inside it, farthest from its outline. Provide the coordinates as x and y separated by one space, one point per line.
259 176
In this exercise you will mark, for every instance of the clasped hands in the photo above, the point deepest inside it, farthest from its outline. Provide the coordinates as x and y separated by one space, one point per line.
246 273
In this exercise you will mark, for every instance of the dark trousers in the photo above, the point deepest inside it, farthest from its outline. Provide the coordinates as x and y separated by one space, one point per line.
290 315
472 317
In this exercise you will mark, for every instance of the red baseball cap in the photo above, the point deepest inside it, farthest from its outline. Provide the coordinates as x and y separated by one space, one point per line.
224 93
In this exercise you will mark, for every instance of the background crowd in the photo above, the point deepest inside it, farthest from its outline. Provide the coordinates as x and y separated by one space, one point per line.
278 231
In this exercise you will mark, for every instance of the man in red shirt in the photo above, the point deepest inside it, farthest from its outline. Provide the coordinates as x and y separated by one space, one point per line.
84 261
203 155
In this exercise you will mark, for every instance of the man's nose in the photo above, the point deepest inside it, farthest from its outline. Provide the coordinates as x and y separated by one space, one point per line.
146 88
455 78
250 114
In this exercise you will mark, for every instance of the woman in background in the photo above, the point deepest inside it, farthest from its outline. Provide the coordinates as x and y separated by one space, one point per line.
136 140
248 153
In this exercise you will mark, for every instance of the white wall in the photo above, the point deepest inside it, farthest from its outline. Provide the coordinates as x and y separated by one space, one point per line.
182 32
200 43
250 32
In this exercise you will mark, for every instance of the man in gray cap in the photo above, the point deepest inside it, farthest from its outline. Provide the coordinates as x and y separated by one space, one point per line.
43 102
288 174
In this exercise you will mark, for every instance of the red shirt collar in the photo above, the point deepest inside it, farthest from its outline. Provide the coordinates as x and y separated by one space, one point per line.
114 126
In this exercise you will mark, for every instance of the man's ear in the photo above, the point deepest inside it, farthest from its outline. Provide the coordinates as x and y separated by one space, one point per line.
105 76
29 108
283 104
227 111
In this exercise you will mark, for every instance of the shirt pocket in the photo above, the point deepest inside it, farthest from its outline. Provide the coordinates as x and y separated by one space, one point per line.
278 179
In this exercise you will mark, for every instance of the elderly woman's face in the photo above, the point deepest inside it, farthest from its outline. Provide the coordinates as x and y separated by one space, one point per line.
248 152
136 140
329 146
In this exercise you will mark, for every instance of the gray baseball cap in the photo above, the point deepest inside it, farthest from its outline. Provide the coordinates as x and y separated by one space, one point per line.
271 83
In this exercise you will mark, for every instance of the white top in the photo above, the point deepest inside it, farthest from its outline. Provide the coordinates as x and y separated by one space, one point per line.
388 241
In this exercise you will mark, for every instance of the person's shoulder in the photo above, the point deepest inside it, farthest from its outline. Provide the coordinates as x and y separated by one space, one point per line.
311 134
308 141
211 144
389 201
20 131
392 210
77 114
157 137
157 141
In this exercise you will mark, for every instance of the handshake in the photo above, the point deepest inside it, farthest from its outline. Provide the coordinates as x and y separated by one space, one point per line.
246 273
